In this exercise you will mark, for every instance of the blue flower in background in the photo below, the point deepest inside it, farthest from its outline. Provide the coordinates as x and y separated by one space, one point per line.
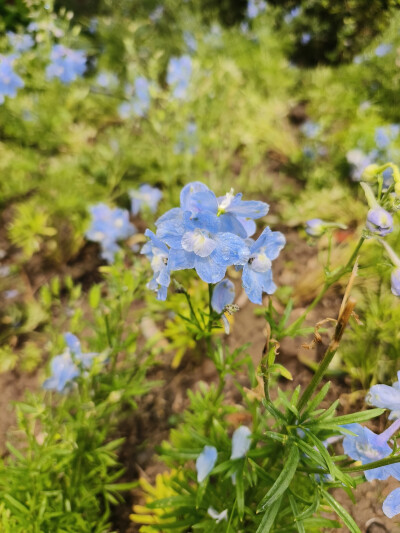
190 41
93 25
384 135
9 81
367 447
379 221
156 15
310 129
139 102
305 38
20 42
107 80
241 442
65 367
383 49
66 64
223 295
257 272
107 227
395 281
146 196
158 254
255 8
293 13
187 140
178 75
359 161
386 397
205 462
391 505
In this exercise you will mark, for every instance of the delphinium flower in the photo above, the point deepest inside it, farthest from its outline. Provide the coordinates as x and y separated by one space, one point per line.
190 41
223 295
384 135
255 8
109 226
20 42
178 75
66 64
187 140
379 221
205 462
145 197
367 447
9 81
305 38
315 227
107 80
241 442
139 99
210 234
383 49
66 367
310 129
395 276
391 505
386 397
158 254
293 13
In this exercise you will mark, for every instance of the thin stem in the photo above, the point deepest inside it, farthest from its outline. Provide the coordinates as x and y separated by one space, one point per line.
193 314
376 464
210 309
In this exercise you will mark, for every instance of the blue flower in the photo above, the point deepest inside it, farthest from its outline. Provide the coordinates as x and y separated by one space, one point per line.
368 447
310 129
178 75
379 221
255 7
109 226
293 13
190 41
383 49
139 99
223 295
386 397
241 442
205 462
107 80
395 281
257 272
146 196
391 505
9 81
315 227
19 42
66 64
65 367
385 134
158 254
305 38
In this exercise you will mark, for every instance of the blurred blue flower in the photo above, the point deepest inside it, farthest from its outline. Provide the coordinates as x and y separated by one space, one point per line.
293 13
190 41
241 442
178 75
395 277
93 25
107 227
383 49
205 462
156 14
9 81
386 397
395 281
187 140
255 7
139 99
315 227
391 505
357 60
385 134
257 272
65 367
305 38
146 196
66 64
310 129
20 42
158 254
359 161
223 295
107 80
379 221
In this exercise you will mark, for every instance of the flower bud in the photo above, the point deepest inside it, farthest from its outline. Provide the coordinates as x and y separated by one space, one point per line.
315 227
379 221
370 172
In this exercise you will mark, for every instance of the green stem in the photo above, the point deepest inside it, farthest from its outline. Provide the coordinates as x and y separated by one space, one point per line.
193 314
210 309
375 464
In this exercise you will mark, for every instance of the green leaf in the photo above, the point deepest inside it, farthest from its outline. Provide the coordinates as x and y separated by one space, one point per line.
240 490
94 296
317 399
309 511
298 523
363 416
321 523
280 369
341 512
283 481
269 517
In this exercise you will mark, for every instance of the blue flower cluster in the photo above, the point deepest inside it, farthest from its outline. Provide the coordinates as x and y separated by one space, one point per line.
9 81
147 197
178 75
20 42
67 366
66 64
108 227
209 234
139 99
255 8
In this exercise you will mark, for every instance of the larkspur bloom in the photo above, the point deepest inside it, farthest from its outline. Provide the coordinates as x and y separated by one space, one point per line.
379 221
9 81
315 227
223 295
205 462
383 49
310 129
218 517
241 442
139 99
386 397
145 197
367 447
66 64
395 277
66 367
255 8
293 13
157 14
305 38
109 226
20 42
178 75
107 80
158 254
257 272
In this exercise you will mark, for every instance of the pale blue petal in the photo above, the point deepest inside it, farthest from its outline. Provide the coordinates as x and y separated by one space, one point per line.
156 242
247 209
198 241
252 284
271 241
208 270
228 223
230 250
180 260
391 505
187 192
203 201
384 396
205 462
223 295
241 442
73 343
249 225
201 220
